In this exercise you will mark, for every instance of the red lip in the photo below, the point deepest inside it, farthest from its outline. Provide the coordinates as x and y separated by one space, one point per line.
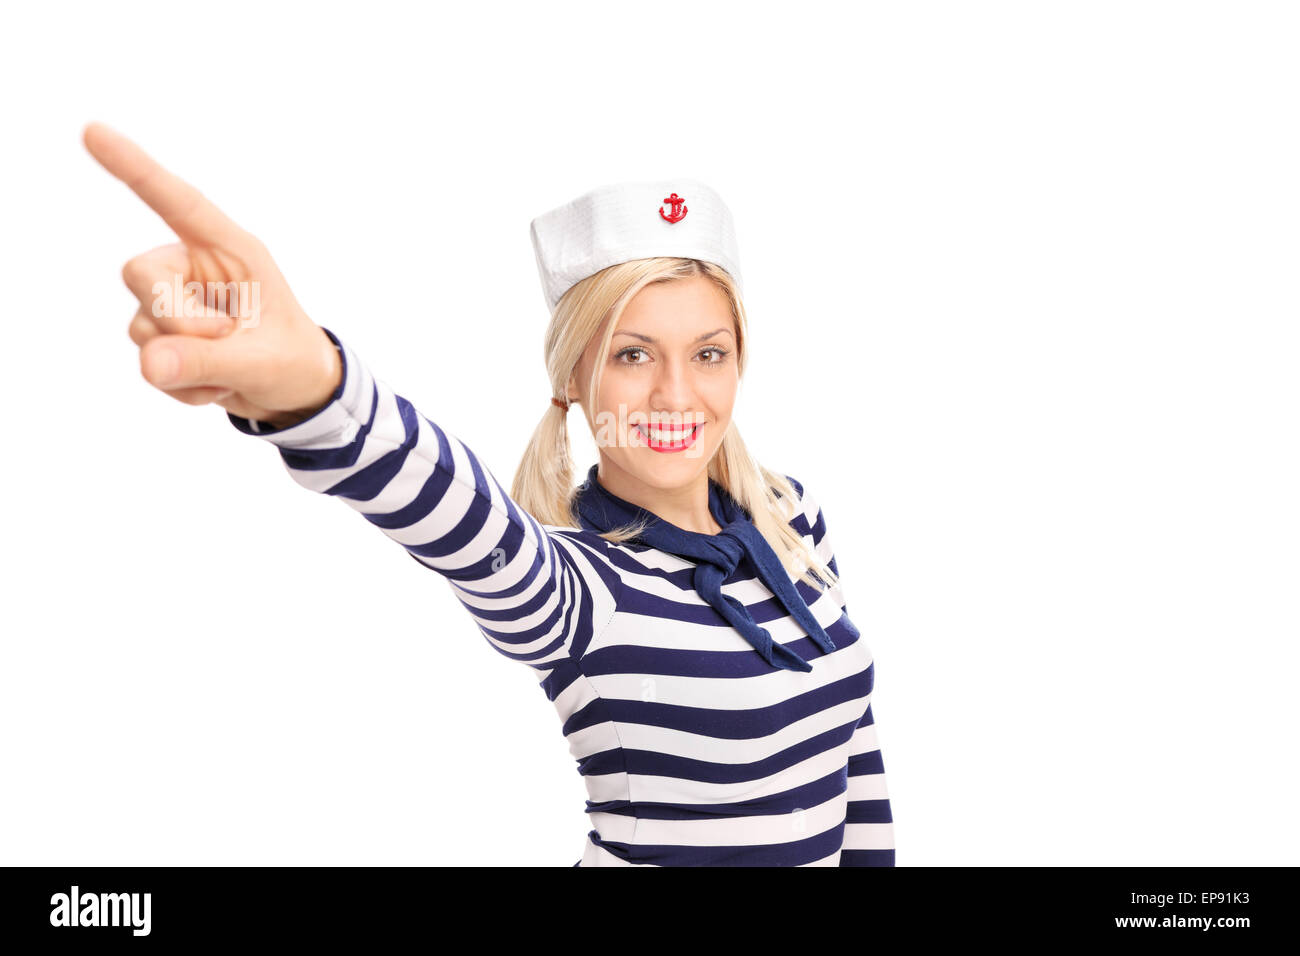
670 446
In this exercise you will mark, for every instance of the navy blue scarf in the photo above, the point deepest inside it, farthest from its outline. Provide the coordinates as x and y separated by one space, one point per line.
718 555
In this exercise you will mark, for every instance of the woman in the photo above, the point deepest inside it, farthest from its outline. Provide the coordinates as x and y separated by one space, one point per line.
681 607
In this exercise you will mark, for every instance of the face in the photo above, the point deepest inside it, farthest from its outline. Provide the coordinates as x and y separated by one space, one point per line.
668 386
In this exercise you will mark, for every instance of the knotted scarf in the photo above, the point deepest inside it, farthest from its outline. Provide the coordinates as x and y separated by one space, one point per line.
717 556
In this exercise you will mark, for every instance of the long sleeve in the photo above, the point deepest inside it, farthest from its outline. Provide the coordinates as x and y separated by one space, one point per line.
531 592
869 822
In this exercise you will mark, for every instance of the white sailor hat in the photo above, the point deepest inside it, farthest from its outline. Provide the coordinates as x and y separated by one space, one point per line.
633 220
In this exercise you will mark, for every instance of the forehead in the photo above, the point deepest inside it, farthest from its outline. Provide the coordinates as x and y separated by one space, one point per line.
680 307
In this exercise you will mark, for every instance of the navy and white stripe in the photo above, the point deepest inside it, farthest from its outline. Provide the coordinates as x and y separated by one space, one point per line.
694 751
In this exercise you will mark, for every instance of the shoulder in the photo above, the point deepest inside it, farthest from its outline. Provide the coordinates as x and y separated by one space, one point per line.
589 539
595 550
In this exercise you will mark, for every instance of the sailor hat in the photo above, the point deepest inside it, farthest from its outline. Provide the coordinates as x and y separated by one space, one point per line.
632 220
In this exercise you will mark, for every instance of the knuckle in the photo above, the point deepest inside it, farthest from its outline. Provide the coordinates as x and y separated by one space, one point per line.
141 329
132 271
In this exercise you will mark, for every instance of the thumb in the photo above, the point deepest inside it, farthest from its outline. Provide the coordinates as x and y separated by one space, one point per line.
185 361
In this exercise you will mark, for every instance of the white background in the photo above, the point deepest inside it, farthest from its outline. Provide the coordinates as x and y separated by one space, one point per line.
1022 285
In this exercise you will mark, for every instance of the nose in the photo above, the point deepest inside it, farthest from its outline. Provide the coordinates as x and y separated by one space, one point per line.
671 390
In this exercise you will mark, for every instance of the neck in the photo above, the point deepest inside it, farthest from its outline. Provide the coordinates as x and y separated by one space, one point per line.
686 506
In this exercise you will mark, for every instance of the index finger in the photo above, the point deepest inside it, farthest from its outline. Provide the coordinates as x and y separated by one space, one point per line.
189 213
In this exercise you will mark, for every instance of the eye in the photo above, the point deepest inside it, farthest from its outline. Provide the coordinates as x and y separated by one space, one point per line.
720 355
631 348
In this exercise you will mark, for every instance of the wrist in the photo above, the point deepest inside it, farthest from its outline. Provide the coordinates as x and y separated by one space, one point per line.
331 365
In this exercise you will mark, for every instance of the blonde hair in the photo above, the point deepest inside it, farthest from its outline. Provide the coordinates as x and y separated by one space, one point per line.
543 484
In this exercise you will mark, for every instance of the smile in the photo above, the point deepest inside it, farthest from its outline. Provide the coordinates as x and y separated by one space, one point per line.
669 439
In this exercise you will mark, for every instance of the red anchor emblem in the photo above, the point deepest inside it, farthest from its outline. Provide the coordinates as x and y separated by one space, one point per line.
679 211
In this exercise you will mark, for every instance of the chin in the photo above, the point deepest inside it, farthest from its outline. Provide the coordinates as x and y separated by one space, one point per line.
665 471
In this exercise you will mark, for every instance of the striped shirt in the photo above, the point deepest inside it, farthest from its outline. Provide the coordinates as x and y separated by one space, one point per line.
694 751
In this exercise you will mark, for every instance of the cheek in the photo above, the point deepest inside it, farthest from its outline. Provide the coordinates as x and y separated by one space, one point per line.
721 396
628 391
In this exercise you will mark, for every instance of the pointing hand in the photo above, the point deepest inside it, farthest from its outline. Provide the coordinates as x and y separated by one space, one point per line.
256 353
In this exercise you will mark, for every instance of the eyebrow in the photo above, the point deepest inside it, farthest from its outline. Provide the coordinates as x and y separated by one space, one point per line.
646 338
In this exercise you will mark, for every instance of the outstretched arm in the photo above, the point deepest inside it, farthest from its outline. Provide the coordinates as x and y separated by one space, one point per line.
240 339
533 594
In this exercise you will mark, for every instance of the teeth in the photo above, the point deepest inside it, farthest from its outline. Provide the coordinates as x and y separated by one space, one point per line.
659 436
